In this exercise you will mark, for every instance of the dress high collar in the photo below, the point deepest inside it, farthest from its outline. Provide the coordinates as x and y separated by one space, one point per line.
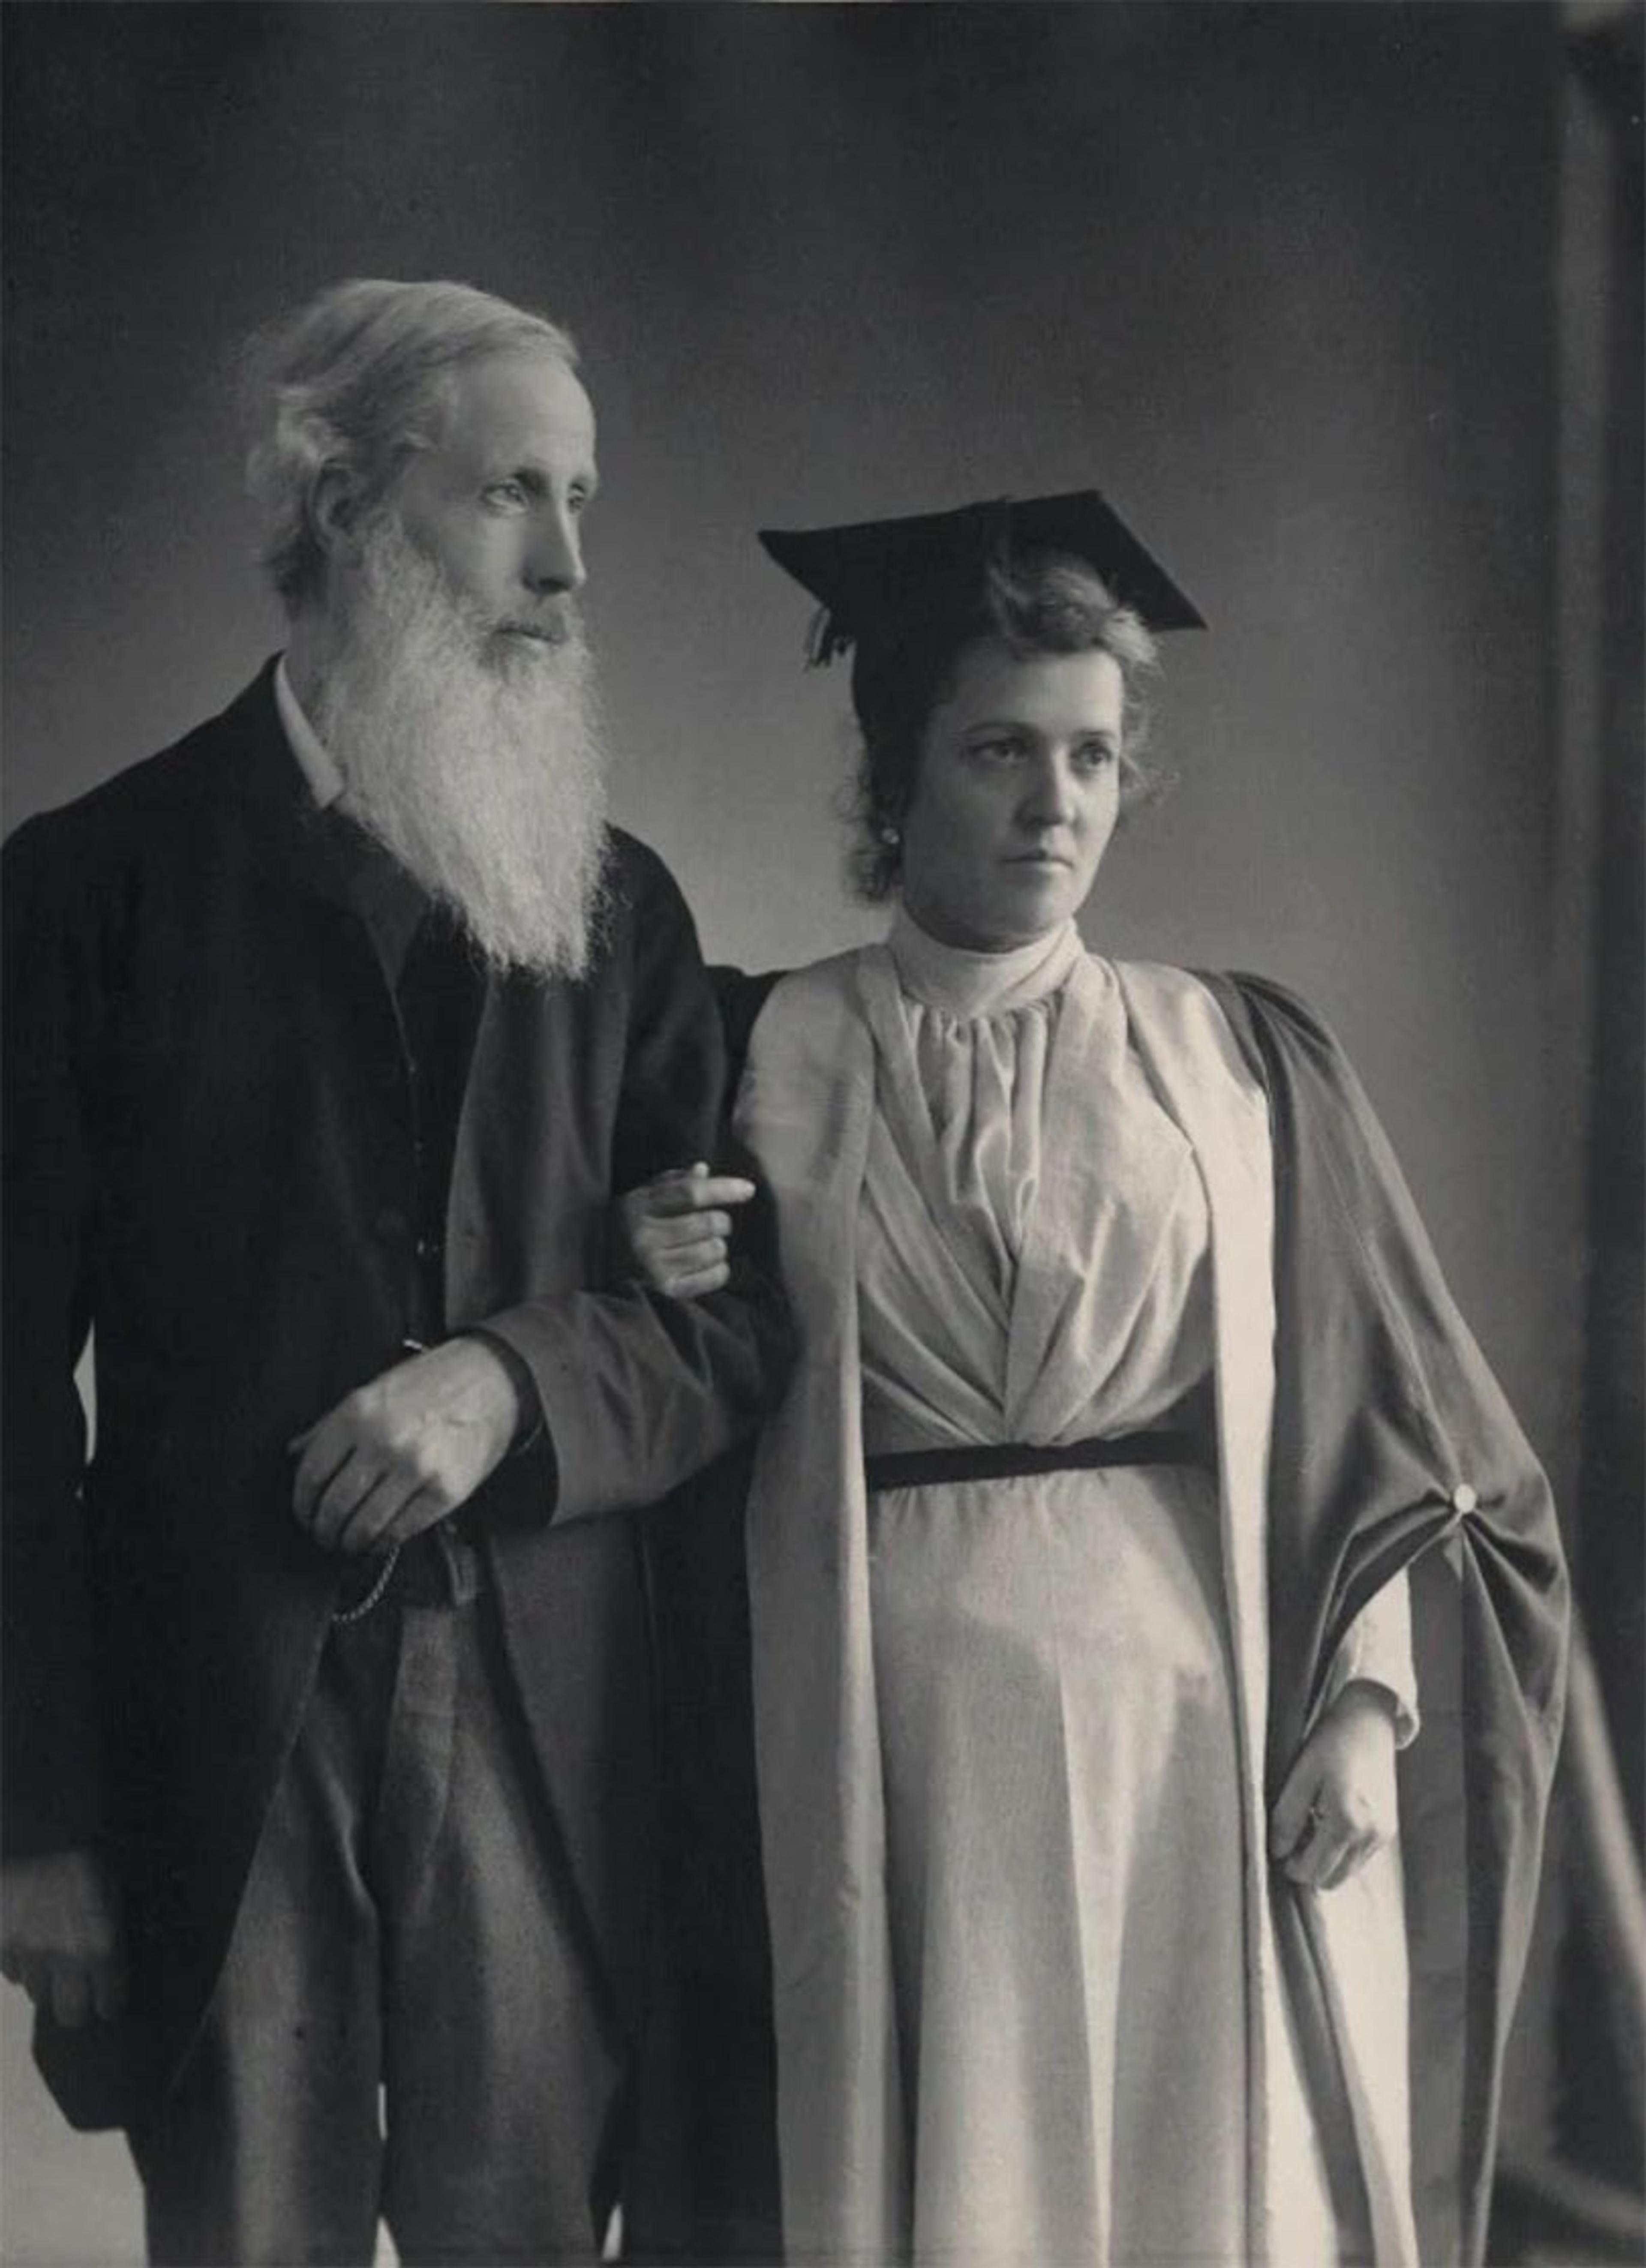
966 985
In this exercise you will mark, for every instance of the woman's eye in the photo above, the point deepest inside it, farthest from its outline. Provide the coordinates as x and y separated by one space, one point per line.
1095 755
1009 748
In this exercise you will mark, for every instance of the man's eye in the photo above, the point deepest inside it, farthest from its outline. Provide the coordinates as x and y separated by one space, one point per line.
1009 748
510 494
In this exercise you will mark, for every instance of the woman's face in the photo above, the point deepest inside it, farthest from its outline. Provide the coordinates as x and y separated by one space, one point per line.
1016 796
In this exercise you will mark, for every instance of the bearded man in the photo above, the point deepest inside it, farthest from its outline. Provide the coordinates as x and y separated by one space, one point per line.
331 1031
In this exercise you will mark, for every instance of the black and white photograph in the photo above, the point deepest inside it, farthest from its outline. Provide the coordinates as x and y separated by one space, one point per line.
823 1365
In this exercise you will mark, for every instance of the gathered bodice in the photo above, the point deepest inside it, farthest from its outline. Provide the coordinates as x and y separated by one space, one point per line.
1032 1241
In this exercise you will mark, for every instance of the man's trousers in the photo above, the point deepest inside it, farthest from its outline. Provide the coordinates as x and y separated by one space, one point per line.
408 2021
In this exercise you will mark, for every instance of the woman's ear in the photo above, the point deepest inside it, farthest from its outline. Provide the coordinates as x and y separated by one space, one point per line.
334 513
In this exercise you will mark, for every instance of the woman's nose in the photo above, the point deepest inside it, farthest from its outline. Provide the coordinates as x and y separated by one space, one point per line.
1052 800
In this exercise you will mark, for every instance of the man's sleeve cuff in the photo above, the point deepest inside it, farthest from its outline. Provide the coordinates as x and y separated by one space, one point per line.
532 1427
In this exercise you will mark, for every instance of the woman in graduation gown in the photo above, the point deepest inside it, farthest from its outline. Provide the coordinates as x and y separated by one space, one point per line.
1157 1618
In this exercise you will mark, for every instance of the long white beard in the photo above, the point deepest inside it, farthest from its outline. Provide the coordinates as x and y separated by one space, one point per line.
475 759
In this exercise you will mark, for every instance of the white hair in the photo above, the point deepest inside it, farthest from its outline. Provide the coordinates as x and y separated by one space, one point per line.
356 378
479 765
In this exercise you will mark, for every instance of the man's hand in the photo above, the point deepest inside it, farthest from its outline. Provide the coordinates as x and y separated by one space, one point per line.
60 1935
400 1454
678 1231
1339 1804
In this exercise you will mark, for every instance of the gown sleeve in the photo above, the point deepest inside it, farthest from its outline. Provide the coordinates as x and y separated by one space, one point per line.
1376 1650
1394 1449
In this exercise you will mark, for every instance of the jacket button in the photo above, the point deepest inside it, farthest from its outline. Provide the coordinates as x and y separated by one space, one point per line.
1464 1498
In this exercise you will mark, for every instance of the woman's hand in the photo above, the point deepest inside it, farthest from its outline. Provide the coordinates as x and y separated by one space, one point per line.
678 1231
1339 1804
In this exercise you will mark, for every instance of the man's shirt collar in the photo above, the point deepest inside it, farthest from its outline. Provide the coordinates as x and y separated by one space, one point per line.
325 781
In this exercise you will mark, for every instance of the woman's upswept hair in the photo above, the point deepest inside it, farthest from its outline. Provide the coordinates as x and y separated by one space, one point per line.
358 377
1033 602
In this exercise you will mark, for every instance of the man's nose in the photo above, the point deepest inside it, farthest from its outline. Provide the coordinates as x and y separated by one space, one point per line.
554 560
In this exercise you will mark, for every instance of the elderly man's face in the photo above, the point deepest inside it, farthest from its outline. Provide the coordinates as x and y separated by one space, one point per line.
494 504
455 694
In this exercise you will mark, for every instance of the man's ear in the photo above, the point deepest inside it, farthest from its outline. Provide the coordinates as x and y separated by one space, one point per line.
335 502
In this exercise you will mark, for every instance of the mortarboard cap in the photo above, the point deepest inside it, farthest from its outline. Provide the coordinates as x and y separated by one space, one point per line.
880 573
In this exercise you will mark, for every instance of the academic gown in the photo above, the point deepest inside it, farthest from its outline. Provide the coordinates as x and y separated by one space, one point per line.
1350 1409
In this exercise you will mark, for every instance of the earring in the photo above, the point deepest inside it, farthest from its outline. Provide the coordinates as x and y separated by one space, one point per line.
890 835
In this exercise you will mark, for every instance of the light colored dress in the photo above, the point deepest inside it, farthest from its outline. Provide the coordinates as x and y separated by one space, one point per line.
1058 1740
1028 1991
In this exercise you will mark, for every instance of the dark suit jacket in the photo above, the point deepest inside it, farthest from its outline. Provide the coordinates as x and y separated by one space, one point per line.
209 1163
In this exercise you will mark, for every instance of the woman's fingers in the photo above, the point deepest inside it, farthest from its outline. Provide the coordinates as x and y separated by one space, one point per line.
1339 1802
703 1279
1304 1834
679 1227
675 1231
685 1275
693 1189
663 1263
1329 1847
1354 1856
1314 1850
1293 1808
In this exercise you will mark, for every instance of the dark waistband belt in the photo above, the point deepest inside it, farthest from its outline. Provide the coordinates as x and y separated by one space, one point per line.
1005 1460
